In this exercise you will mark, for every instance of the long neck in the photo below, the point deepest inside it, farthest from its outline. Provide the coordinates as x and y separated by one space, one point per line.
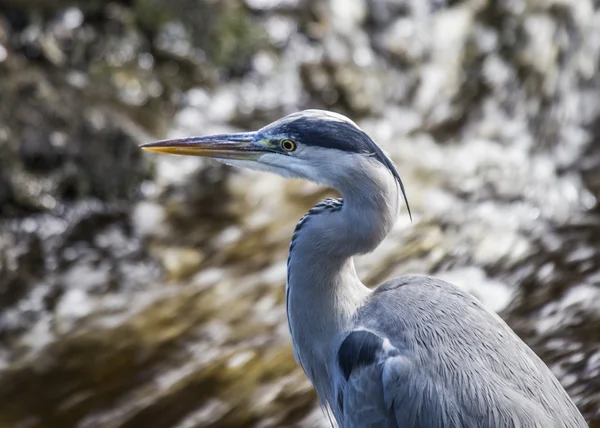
324 291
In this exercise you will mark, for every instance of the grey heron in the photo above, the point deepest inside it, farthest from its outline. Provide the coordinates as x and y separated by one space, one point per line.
415 351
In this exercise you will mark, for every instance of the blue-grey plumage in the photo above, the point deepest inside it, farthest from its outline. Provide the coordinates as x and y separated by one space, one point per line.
415 352
445 361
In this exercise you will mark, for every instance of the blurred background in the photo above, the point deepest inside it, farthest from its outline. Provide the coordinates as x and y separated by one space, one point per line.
139 290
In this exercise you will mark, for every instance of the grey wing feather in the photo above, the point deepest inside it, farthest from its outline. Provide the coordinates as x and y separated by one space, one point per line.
361 400
442 360
364 403
426 403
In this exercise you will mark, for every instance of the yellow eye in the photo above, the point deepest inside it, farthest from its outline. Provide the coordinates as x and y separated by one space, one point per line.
288 145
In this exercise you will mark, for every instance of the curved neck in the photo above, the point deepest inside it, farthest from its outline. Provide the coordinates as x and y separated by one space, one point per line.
324 291
370 209
371 203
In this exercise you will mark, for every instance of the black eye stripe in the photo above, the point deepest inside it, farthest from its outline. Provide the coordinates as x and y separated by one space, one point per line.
316 129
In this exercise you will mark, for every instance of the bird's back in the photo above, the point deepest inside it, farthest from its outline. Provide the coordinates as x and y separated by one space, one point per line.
438 358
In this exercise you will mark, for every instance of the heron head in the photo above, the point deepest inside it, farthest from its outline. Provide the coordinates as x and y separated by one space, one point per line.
317 145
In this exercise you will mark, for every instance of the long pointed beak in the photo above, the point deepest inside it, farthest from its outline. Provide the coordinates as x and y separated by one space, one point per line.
223 146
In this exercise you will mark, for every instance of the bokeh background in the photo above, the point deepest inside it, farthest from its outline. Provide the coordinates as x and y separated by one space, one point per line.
139 290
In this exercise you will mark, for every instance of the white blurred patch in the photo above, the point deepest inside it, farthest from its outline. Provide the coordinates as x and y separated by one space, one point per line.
493 294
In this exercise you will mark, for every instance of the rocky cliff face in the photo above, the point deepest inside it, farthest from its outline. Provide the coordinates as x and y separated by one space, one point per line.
143 291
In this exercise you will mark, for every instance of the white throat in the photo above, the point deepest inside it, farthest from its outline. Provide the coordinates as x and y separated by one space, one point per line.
323 289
